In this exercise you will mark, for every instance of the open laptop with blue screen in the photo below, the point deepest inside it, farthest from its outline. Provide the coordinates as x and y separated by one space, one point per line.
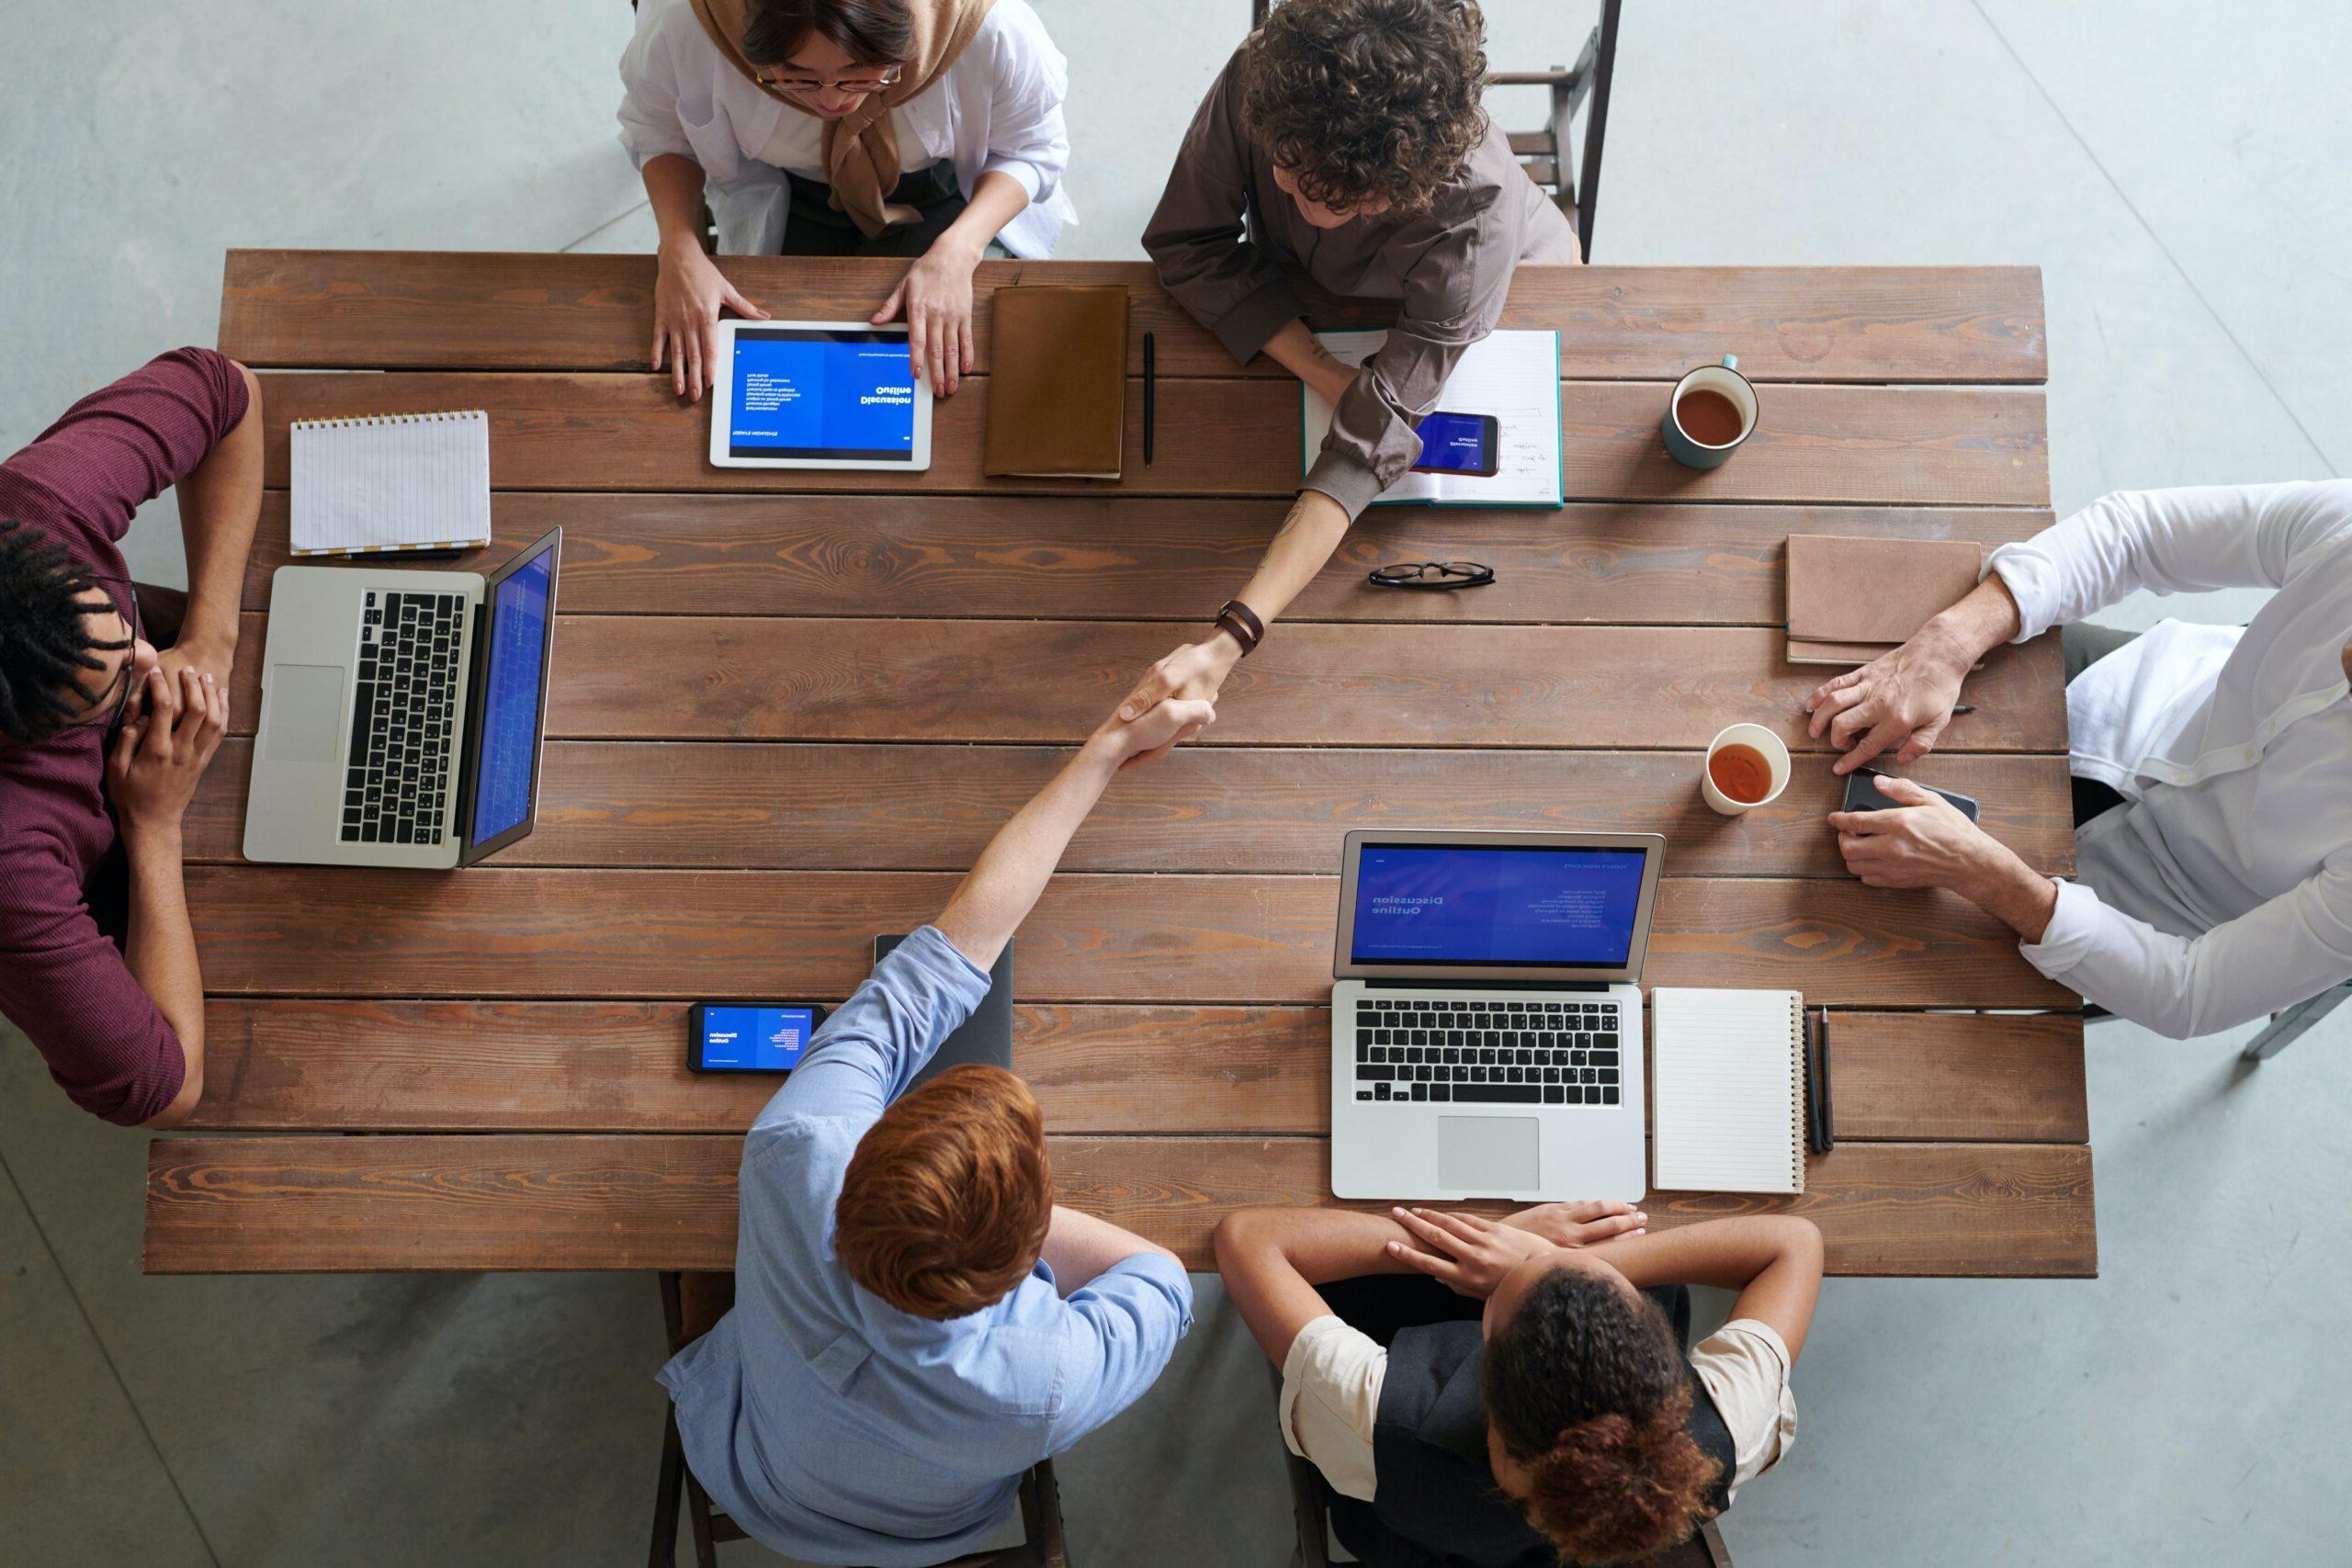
1487 1026
818 395
401 713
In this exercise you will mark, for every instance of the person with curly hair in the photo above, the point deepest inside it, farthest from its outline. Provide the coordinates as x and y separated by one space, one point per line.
916 1321
1345 139
1520 1396
104 734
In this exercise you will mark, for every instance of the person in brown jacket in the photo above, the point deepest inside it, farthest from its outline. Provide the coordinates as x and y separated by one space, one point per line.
1345 139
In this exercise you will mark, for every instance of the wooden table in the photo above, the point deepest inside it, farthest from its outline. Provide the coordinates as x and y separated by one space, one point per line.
787 713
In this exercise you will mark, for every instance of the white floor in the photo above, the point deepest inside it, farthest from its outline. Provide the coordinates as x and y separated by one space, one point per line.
2177 171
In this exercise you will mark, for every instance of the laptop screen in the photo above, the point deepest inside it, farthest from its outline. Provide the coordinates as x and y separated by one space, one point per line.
1496 906
509 730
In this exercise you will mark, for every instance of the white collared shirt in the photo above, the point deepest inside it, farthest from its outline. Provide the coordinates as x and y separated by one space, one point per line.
998 109
1332 1378
2222 890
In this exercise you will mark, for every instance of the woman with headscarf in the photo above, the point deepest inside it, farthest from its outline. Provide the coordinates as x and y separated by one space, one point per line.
923 128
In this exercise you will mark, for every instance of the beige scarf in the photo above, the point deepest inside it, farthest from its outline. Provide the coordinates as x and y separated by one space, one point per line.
861 149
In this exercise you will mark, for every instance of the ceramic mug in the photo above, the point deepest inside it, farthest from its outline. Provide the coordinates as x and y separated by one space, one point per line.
1757 739
1726 380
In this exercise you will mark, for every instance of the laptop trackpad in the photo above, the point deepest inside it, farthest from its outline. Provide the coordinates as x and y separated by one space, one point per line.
1489 1153
305 712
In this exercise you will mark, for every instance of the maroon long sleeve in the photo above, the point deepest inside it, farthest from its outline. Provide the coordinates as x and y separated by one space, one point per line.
62 979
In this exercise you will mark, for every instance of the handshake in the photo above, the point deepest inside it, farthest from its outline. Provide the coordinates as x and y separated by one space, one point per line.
1173 702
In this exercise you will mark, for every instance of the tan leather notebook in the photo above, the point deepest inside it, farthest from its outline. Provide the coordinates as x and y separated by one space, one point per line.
1058 382
1851 599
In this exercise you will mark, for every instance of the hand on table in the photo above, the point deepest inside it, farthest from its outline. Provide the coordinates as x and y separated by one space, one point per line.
1929 842
1194 671
159 755
688 293
936 294
1580 1223
1904 697
1468 1255
1133 743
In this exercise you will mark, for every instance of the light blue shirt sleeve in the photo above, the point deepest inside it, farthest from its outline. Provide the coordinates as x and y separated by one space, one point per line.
1124 1325
866 1053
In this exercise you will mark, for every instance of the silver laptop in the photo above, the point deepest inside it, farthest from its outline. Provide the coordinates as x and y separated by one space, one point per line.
1487 1028
401 713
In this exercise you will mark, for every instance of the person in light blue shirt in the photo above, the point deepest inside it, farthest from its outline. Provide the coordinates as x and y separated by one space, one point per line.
916 1322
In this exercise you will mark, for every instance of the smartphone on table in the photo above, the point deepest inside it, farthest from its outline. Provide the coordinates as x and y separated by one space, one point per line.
748 1037
1863 794
1457 444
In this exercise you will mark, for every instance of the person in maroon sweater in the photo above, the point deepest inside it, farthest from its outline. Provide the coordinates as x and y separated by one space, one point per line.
103 736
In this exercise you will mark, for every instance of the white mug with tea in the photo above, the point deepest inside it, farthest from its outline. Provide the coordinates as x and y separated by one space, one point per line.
1711 412
1748 766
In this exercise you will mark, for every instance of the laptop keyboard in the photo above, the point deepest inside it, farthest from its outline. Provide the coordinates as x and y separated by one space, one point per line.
396 786
1487 1053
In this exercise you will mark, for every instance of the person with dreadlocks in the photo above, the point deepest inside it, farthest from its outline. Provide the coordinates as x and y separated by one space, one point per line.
104 733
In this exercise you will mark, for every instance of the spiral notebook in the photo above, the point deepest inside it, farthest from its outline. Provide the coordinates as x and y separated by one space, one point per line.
392 482
1727 1088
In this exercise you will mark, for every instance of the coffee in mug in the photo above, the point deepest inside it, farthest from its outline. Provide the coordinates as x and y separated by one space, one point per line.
1711 412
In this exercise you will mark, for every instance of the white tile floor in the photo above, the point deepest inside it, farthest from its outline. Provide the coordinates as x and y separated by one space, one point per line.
2177 171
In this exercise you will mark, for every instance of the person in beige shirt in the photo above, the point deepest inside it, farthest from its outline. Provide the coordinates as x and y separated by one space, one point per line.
1546 1410
1345 139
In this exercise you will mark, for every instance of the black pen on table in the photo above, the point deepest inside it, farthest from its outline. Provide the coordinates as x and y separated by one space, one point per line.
1150 371
1825 1137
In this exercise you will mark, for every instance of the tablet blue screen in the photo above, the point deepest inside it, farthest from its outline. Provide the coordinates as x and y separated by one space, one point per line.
803 392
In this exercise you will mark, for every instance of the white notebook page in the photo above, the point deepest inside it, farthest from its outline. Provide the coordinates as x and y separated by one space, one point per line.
403 482
1514 376
1727 1081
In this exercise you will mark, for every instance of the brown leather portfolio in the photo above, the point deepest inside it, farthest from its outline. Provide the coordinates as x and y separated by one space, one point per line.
1058 382
1851 599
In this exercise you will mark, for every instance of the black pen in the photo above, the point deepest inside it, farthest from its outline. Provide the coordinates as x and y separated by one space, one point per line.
1821 1050
1150 371
1961 708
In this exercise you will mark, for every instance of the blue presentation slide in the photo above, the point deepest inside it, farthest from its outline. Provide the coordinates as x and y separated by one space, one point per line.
1427 905
510 708
1452 441
800 393
760 1039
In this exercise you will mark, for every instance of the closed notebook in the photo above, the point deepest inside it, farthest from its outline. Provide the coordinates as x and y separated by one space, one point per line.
1727 1091
985 1037
394 481
1058 382
1852 598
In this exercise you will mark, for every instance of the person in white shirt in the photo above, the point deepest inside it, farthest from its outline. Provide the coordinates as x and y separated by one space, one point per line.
924 128
1546 1409
2215 885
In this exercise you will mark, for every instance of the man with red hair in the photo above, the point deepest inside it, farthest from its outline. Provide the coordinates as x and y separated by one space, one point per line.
916 1321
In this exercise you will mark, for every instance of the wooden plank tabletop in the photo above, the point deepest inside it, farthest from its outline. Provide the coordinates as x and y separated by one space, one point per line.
785 717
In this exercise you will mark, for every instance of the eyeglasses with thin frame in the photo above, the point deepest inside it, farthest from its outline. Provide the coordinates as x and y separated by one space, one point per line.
1440 576
886 76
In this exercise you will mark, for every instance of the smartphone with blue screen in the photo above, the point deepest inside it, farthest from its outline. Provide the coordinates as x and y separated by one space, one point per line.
748 1037
1457 444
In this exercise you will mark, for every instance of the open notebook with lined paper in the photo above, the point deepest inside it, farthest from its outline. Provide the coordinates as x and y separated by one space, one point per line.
1727 1086
396 482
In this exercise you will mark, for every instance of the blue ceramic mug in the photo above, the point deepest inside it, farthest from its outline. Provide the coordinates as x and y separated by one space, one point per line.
1713 439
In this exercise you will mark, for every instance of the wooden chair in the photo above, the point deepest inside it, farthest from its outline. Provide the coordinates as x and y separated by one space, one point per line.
690 1305
1543 153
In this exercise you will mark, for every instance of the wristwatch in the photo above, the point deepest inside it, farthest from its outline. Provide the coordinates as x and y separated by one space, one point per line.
1242 622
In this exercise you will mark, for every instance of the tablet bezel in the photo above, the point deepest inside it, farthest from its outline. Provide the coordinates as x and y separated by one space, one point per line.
722 403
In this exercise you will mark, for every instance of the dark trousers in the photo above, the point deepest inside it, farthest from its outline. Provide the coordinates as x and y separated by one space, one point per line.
815 229
2085 645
